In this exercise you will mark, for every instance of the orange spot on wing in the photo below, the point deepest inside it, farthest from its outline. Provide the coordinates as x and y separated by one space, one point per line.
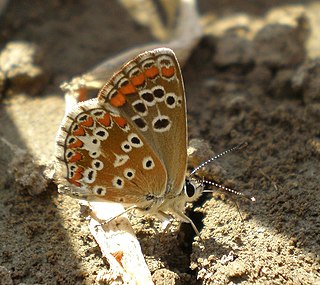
76 176
167 72
138 80
118 100
128 89
88 122
105 120
121 122
79 131
152 72
74 182
76 157
79 169
76 144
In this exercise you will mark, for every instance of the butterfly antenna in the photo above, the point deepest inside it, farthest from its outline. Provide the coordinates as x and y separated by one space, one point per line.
209 182
203 164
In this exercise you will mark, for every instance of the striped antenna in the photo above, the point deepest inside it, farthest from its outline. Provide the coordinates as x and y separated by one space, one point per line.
203 181
203 164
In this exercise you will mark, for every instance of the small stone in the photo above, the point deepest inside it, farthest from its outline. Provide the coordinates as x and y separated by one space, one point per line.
5 276
278 46
233 50
19 70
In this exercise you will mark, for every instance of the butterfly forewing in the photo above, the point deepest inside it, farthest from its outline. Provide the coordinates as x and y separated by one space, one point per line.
101 155
148 91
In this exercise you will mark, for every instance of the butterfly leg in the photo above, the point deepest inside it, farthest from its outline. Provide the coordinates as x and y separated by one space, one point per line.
184 218
167 220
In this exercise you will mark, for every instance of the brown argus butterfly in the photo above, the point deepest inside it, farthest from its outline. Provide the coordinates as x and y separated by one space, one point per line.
129 145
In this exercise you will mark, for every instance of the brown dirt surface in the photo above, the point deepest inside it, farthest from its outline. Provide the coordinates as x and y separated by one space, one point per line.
258 82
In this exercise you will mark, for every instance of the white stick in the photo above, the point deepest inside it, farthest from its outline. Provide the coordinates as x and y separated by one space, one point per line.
118 244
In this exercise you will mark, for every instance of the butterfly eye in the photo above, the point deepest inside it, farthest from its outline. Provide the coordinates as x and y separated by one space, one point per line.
190 189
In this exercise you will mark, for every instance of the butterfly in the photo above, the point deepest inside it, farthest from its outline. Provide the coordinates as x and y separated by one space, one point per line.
129 145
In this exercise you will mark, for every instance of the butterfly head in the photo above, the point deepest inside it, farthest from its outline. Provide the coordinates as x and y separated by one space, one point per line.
192 189
195 186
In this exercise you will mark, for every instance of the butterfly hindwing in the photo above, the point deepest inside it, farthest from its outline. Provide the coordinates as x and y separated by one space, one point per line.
101 155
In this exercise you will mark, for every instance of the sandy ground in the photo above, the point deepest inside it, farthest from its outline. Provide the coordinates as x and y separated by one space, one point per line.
258 83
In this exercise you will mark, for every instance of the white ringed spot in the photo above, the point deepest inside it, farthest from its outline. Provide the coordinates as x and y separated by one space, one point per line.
100 133
161 123
140 122
94 153
113 92
99 190
118 182
71 139
140 107
85 120
69 153
129 173
171 100
126 147
158 93
134 140
165 60
89 175
132 69
148 163
97 164
147 97
72 167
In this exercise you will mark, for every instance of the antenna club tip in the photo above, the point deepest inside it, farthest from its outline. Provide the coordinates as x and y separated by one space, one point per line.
253 199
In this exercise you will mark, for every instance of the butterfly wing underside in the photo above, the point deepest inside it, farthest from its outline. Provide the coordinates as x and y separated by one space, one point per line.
129 144
101 156
149 92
